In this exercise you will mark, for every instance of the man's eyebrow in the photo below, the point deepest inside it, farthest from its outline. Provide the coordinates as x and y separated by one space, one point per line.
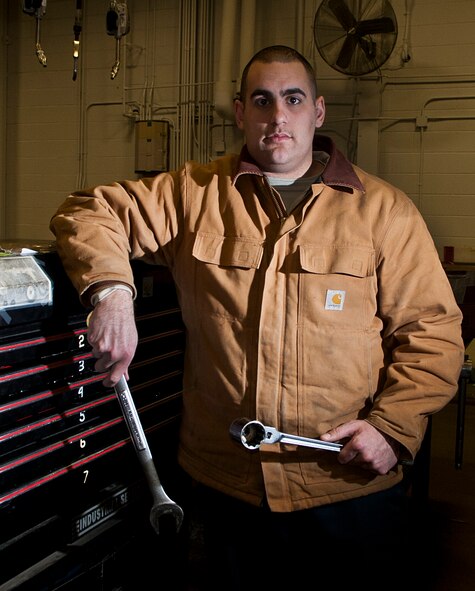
293 91
286 92
261 92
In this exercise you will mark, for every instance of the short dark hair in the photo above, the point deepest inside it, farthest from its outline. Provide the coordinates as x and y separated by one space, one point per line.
278 53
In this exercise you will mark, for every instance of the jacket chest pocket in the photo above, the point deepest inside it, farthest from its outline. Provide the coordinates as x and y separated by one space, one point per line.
337 286
227 251
225 271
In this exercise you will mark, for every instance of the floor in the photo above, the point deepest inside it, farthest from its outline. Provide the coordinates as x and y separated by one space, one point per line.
450 518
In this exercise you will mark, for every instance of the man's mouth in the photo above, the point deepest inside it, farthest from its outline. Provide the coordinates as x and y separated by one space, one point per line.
277 138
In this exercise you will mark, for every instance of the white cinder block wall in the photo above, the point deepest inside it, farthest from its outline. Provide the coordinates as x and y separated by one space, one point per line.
412 122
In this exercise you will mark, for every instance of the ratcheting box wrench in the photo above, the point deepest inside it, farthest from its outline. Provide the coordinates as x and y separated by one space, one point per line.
253 434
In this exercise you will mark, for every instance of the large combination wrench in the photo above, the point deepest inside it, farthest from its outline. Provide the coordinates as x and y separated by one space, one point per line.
162 504
253 434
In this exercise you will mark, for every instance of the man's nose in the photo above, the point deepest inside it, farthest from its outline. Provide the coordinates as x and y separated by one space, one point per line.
279 113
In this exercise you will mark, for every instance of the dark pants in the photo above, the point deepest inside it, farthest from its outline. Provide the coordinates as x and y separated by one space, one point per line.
368 542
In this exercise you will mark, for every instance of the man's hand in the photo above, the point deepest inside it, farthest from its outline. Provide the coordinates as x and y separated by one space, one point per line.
366 446
113 336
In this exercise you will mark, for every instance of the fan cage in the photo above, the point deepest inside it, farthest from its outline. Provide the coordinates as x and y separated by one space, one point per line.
355 37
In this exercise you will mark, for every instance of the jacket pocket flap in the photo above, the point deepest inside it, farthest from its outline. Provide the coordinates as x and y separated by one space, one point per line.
227 251
350 260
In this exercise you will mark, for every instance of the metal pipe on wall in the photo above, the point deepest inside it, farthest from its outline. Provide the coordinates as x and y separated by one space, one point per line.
3 120
300 26
203 71
246 46
224 86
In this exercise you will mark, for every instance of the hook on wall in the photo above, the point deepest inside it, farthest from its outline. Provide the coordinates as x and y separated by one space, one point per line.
37 8
117 24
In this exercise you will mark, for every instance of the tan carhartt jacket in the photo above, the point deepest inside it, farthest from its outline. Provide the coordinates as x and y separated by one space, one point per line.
339 310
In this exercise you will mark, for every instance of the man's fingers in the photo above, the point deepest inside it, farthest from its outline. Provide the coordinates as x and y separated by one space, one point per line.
112 335
341 432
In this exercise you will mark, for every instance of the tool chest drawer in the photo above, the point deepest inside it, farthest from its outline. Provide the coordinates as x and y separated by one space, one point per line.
72 495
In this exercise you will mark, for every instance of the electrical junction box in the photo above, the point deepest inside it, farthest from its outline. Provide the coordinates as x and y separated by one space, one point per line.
152 139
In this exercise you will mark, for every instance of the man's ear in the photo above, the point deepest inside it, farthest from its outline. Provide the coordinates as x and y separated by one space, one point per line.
319 111
238 112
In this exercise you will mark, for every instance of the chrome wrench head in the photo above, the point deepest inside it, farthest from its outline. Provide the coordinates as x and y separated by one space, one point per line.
252 433
166 512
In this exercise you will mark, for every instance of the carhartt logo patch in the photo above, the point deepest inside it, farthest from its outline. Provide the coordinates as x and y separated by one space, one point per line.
335 299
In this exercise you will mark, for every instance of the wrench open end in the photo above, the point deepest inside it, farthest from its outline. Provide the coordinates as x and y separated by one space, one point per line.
167 517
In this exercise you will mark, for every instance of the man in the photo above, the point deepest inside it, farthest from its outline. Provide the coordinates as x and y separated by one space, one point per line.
314 301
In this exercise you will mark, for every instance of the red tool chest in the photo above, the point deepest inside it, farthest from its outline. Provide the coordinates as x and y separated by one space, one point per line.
74 504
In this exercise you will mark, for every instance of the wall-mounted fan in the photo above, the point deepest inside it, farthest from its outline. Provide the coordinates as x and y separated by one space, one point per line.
355 37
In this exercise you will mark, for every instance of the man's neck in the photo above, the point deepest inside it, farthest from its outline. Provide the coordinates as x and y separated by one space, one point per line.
313 171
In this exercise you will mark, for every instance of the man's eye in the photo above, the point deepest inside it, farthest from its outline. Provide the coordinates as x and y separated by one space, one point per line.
261 102
294 100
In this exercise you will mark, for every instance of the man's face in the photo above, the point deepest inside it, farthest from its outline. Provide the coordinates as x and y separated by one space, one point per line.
279 116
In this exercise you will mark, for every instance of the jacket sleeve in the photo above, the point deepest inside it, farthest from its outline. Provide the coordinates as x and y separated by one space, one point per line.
99 230
422 330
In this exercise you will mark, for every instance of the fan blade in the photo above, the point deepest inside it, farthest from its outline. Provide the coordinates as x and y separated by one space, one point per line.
346 51
375 25
369 48
343 14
